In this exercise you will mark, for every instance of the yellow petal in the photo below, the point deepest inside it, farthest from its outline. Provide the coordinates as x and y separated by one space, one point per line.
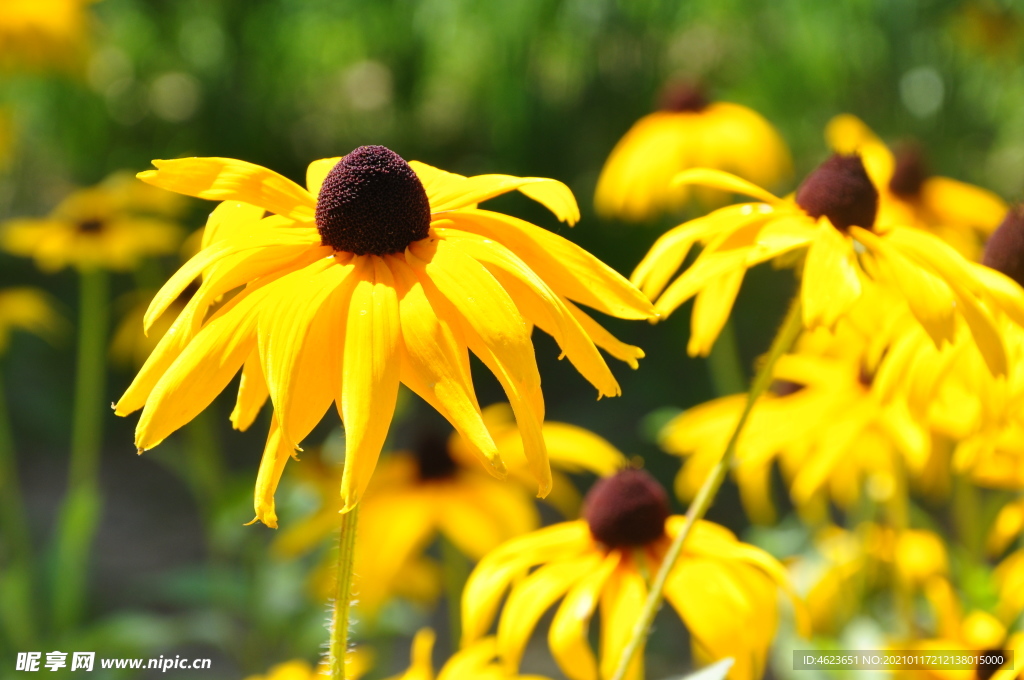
831 281
630 354
226 179
622 601
717 179
275 455
316 172
711 310
847 134
567 637
478 513
252 393
370 370
570 270
229 219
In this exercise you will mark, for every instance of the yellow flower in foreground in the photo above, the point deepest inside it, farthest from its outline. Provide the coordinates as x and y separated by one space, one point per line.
959 213
36 33
725 591
636 182
438 487
381 272
112 225
29 310
475 662
830 227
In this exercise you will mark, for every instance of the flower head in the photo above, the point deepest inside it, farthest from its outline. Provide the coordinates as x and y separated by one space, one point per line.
830 227
109 226
724 591
40 33
688 131
313 324
29 310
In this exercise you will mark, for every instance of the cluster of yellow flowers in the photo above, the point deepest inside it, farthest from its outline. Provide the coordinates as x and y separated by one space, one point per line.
906 378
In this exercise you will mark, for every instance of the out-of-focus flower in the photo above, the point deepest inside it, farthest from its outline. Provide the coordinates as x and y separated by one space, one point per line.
112 225
852 424
43 33
989 27
29 310
725 591
961 214
391 275
474 662
438 487
688 132
830 227
1007 528
358 663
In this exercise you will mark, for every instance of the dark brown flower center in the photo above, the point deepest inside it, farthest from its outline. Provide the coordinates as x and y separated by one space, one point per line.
679 97
627 509
435 462
372 202
909 173
841 190
1004 251
90 226
783 388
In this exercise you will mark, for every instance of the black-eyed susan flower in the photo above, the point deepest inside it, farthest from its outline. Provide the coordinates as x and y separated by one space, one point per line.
961 214
437 487
688 132
725 591
43 33
478 661
381 272
830 228
26 309
112 225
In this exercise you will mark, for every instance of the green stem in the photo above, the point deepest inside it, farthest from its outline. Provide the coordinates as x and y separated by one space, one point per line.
455 572
205 469
783 341
79 515
20 575
343 594
727 375
967 517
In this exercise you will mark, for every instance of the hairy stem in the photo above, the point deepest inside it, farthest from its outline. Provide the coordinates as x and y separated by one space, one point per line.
343 594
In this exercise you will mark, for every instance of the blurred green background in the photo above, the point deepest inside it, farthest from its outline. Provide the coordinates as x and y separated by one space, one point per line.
527 87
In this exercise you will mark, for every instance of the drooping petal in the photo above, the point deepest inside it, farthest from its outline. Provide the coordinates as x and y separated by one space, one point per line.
711 310
622 601
479 513
630 354
831 280
717 179
226 179
570 270
567 636
370 370
275 456
252 393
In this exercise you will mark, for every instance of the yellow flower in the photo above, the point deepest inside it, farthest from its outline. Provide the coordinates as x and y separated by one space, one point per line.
439 488
636 182
41 33
961 214
474 662
391 275
110 226
358 663
29 310
830 227
725 591
1007 528
851 424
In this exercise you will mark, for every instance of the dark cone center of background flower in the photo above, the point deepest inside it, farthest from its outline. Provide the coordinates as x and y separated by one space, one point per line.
93 226
679 97
1004 251
628 509
841 190
372 202
784 388
433 457
910 172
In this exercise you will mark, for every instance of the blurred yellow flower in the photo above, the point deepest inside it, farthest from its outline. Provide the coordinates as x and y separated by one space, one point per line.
688 132
358 663
1007 528
43 33
130 346
379 272
830 228
438 487
961 214
474 662
725 591
112 225
29 310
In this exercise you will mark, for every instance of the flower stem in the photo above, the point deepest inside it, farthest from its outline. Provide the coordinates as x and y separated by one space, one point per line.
79 515
18 585
724 364
783 341
343 594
